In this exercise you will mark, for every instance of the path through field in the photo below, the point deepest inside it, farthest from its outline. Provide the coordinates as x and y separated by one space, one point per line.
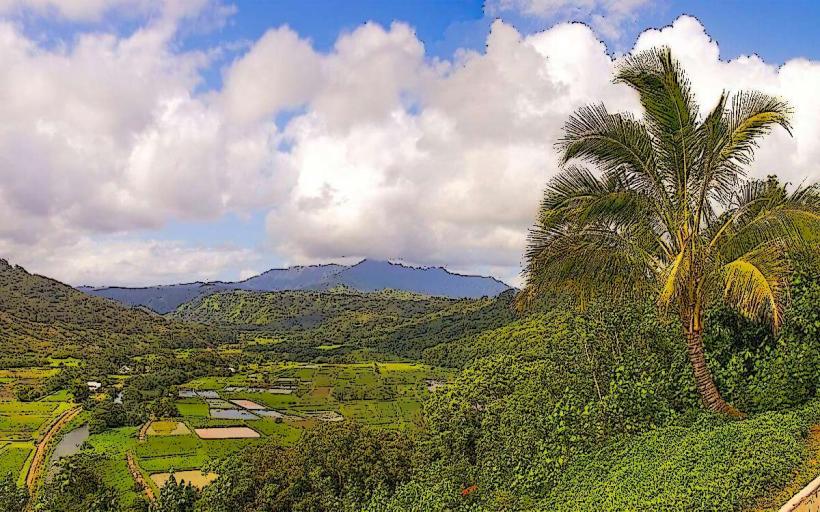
143 431
36 468
135 472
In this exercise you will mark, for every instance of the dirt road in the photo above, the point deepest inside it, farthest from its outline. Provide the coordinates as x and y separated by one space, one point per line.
135 472
39 461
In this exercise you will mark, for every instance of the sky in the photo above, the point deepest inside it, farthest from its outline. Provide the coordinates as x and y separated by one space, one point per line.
150 142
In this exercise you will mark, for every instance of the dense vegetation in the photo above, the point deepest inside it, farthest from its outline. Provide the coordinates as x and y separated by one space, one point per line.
40 316
292 324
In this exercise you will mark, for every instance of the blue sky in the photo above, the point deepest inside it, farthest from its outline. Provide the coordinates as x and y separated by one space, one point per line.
171 183
447 26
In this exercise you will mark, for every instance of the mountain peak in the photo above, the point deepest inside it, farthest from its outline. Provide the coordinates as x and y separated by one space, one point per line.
368 275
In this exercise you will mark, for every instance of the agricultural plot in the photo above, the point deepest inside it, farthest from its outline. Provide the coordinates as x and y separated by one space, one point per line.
15 459
227 433
167 428
196 478
26 421
192 407
248 404
233 414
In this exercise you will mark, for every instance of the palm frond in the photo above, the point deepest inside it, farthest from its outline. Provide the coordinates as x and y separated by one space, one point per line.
672 277
670 111
752 116
589 259
762 211
756 283
612 142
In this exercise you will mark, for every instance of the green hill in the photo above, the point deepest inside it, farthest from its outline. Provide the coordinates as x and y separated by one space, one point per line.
40 316
387 321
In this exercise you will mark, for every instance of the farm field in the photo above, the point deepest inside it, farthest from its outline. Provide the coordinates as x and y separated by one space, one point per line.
218 416
22 424
383 394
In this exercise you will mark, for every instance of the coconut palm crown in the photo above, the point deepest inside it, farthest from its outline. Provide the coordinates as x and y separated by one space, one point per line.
669 212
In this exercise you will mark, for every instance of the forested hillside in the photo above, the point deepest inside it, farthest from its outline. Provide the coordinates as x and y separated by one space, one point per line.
40 316
296 322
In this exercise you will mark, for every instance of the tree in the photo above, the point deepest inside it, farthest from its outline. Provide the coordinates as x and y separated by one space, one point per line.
176 497
78 485
334 466
12 498
670 211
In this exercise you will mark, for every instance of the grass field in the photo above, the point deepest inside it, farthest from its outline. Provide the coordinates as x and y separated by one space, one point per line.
384 394
15 459
192 407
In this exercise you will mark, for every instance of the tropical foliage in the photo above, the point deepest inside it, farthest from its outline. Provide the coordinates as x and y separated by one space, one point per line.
670 214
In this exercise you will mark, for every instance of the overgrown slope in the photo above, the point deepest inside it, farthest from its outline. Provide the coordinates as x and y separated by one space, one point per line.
388 321
722 467
41 316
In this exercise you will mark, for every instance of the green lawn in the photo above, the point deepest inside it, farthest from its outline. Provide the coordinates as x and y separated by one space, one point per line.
192 407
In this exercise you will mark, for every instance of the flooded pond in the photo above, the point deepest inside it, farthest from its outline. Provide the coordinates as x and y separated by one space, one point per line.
69 444
232 414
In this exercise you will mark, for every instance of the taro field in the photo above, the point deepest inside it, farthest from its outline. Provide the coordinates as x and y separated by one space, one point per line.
22 424
274 402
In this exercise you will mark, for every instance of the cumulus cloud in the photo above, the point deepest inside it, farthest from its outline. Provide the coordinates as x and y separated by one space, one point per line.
607 17
383 151
125 261
90 11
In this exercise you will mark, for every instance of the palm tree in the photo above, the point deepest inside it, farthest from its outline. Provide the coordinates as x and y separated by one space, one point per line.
669 212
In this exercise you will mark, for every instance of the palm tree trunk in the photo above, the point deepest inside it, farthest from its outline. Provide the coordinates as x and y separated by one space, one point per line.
709 393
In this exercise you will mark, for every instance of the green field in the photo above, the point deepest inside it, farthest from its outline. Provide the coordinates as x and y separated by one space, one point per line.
15 459
26 421
386 395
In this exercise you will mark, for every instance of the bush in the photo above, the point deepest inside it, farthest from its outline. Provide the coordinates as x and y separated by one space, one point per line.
717 466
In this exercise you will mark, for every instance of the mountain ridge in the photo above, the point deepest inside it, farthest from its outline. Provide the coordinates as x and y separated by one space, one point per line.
367 275
40 315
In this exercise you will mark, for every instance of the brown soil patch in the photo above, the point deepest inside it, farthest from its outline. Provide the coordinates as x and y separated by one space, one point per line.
321 391
226 433
247 404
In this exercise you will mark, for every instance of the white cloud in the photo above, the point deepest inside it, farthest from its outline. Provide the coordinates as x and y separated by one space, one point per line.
114 261
95 10
387 153
607 17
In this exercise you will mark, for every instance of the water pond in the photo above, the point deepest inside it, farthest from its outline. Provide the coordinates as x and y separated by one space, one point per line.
69 444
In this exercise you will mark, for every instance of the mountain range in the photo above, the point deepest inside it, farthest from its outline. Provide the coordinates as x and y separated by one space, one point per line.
365 276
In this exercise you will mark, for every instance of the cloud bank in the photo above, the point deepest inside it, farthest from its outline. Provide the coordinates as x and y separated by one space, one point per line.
379 150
